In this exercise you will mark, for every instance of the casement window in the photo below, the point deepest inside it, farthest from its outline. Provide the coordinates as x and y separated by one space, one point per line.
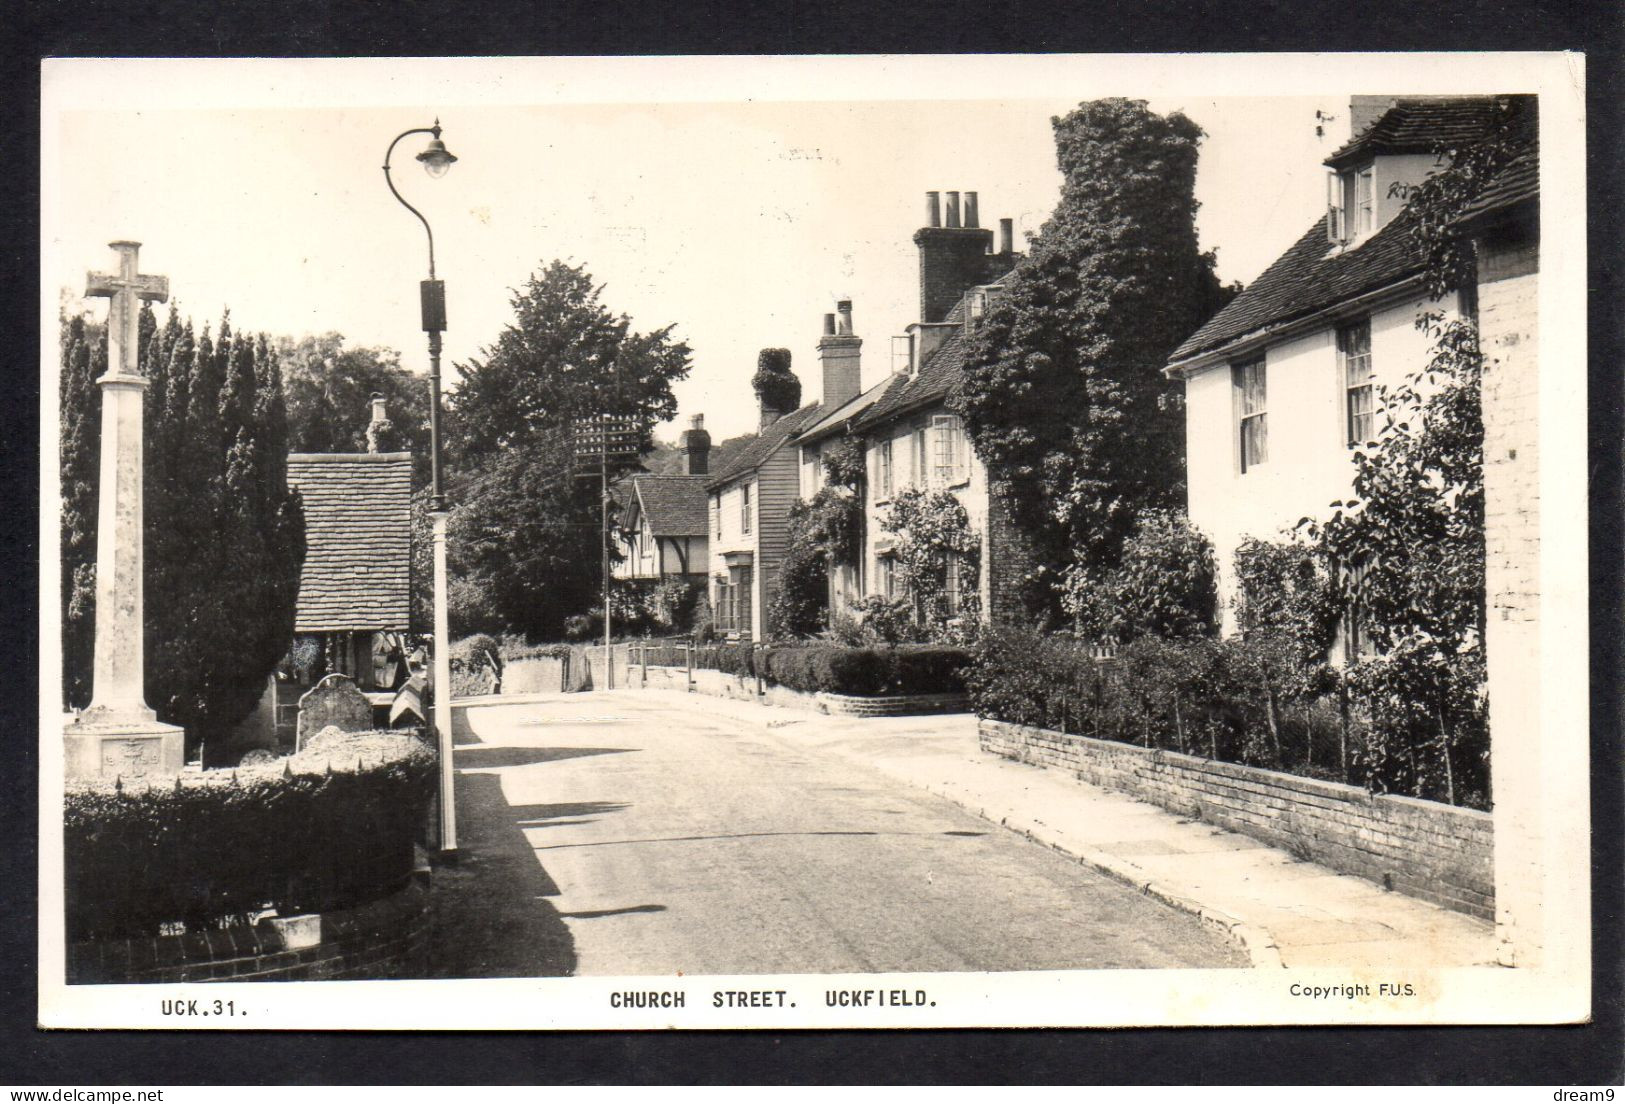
744 507
1359 391
922 458
949 451
883 469
1252 427
812 470
886 567
724 607
1353 205
976 308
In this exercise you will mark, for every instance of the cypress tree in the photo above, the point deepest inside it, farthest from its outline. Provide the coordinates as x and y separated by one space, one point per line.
84 358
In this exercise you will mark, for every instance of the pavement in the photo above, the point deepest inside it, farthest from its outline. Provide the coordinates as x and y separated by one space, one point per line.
1283 910
626 833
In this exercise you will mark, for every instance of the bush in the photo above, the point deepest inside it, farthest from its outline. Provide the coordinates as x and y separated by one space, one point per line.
297 835
1164 584
864 671
1232 700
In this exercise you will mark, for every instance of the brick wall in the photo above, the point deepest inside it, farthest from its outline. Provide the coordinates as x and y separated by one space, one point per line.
1420 848
1508 263
385 939
1007 560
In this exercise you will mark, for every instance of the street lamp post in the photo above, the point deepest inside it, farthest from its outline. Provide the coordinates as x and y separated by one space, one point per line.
436 161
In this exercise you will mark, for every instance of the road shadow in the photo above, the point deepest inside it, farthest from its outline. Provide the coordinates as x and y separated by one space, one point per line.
492 916
493 756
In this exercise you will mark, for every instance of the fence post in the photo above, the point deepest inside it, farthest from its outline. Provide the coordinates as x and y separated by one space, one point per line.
688 658
645 654
756 667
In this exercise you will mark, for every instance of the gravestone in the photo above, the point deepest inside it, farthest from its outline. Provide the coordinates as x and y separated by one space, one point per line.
335 701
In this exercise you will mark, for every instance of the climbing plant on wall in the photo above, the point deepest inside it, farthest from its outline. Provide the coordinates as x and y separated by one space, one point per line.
823 532
933 528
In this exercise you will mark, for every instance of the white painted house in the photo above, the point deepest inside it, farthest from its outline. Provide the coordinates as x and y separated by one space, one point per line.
1280 384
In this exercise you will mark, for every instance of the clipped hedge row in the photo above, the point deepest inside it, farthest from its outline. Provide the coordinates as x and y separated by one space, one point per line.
834 668
302 835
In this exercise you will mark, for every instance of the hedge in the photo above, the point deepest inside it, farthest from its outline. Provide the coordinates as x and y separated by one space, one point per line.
331 828
1233 700
832 668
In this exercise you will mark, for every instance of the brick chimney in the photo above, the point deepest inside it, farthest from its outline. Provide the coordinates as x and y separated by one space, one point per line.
378 426
696 443
840 355
953 258
1365 110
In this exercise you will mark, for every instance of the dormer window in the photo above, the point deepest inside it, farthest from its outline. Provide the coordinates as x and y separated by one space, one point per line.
1353 204
977 307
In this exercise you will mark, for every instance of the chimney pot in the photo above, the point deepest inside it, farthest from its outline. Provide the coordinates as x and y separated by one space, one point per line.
953 210
1007 235
697 422
933 212
378 423
843 310
970 211
829 324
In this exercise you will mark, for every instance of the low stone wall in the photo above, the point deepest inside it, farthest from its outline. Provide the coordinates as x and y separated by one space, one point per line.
743 688
1438 853
388 938
542 675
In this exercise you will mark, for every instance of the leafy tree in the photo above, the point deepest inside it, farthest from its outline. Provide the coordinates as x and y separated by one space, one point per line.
329 392
224 534
1411 542
1438 203
774 383
524 523
1163 585
1063 392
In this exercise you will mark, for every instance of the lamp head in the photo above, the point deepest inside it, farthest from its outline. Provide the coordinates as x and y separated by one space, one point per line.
436 158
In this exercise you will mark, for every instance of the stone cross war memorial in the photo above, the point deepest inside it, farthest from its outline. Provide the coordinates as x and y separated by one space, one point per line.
1143 608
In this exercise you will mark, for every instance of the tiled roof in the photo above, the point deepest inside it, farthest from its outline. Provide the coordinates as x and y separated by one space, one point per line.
1518 181
844 414
674 504
358 540
1309 277
754 450
1420 125
935 380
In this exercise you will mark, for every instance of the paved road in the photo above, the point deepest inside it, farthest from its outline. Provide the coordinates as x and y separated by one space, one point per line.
608 834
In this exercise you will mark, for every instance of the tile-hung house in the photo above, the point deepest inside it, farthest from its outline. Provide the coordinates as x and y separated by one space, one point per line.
751 493
1280 386
664 520
354 600
911 437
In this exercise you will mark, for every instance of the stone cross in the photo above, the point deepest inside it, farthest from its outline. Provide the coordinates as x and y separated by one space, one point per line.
124 287
117 692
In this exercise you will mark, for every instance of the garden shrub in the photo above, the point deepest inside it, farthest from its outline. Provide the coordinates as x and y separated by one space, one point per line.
1229 700
834 668
1164 583
330 828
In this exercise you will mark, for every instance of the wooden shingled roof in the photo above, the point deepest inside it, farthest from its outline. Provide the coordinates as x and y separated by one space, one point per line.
358 541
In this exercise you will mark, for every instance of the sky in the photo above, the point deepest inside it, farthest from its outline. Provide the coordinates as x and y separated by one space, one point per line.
739 221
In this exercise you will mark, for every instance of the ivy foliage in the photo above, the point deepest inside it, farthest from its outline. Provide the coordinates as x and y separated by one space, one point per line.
775 384
823 532
1165 584
1062 391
